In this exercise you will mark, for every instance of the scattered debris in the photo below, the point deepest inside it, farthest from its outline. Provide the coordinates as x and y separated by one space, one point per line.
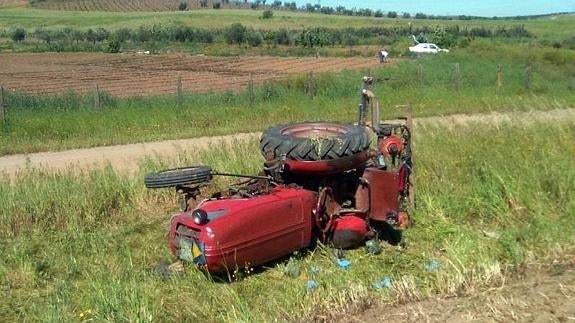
344 263
381 283
311 284
433 265
373 247
314 269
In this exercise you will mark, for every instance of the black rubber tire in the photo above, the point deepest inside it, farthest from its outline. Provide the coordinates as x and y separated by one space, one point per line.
312 141
178 176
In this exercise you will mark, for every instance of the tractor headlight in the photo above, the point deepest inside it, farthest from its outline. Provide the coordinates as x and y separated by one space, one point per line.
200 216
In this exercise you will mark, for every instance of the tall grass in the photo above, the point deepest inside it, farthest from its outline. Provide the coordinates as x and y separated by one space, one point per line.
85 246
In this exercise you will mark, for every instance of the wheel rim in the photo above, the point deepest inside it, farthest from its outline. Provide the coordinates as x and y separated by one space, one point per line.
315 130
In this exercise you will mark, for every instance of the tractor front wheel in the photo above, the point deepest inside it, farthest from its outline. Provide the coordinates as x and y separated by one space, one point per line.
178 176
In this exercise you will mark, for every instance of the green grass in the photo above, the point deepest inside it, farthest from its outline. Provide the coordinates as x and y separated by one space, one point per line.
550 27
69 121
84 246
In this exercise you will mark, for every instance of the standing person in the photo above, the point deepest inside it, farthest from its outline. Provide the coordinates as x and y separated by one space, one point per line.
382 55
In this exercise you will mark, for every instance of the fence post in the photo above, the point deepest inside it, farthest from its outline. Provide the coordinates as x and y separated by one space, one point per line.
179 98
528 76
2 112
499 77
420 74
310 87
456 76
97 104
251 90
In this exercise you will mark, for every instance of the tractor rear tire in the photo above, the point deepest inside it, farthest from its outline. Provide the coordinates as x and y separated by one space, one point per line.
313 141
178 176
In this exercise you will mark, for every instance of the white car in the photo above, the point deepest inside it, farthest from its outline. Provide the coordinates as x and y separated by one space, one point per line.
422 48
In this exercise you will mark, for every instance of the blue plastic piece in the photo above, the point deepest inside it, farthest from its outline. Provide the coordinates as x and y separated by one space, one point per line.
381 283
314 269
433 265
311 284
343 263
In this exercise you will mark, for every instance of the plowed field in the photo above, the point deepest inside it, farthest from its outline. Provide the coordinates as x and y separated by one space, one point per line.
131 74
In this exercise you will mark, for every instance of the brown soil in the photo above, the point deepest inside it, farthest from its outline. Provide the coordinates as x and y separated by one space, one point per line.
129 74
140 5
12 3
538 295
126 157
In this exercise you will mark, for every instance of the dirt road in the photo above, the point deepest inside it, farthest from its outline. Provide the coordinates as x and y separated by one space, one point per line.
537 295
126 157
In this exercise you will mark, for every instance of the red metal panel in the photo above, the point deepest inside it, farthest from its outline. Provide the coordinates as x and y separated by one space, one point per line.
251 231
380 194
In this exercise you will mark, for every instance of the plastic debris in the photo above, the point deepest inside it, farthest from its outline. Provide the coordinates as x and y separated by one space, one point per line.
343 263
373 247
314 269
311 284
433 265
381 283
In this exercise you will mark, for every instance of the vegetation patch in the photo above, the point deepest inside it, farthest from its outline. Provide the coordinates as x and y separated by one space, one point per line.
86 246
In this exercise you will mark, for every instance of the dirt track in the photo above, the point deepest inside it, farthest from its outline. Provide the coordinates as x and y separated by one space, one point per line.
130 74
126 157
540 295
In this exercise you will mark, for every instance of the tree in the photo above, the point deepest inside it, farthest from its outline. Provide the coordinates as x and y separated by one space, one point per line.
183 6
392 14
18 34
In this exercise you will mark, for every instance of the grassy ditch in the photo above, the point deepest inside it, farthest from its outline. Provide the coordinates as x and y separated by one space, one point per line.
430 84
84 246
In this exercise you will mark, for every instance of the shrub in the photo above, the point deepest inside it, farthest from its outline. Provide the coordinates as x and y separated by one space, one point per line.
235 34
267 14
122 34
113 46
254 38
183 5
392 14
18 34
282 37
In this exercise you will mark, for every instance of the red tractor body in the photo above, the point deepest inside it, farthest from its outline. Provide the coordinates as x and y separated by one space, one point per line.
321 181
244 230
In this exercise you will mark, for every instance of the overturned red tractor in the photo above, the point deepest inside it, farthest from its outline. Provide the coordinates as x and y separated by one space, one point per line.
320 181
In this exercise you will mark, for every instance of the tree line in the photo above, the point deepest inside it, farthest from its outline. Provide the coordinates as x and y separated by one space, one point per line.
112 40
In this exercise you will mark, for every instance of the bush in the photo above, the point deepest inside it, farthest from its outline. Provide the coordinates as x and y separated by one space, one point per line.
183 6
392 14
268 14
18 34
254 38
235 34
282 37
113 46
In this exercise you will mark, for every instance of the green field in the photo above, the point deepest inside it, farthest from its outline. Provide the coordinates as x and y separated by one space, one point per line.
552 27
84 245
